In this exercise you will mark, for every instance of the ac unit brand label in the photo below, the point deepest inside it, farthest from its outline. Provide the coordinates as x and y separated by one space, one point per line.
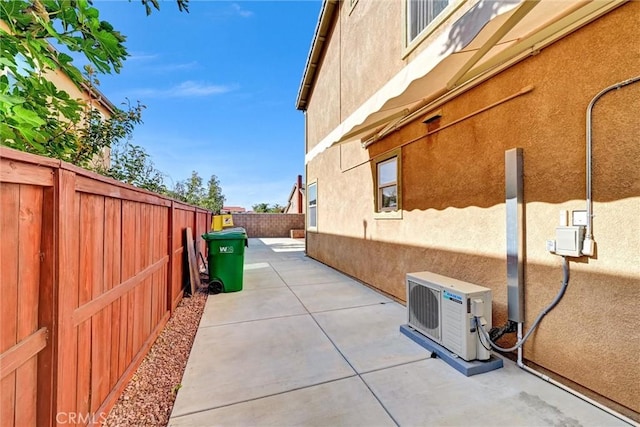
452 297
226 249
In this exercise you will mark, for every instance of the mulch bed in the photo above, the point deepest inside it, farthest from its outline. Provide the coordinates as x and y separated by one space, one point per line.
148 398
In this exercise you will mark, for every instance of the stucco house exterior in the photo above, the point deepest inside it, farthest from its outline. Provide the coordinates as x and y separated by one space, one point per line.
88 94
416 111
92 98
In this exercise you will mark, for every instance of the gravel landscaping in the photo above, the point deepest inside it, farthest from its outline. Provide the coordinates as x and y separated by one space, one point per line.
148 398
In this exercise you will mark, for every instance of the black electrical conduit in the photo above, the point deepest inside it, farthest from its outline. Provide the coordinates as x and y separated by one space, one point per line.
547 309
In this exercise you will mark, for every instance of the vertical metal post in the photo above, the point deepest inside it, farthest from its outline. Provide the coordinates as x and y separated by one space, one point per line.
299 194
515 234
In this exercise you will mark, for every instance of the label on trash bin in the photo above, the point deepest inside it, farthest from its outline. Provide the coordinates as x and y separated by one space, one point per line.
226 249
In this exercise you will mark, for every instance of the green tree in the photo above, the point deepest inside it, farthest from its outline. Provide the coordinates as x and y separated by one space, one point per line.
266 208
190 190
260 207
35 116
193 192
214 199
133 165
98 133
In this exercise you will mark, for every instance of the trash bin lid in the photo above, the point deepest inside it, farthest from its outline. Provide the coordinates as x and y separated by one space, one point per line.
226 234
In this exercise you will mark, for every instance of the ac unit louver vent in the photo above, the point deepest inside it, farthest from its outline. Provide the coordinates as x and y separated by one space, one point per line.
424 309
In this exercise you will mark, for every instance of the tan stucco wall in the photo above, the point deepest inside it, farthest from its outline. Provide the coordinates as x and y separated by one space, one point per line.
453 199
365 49
361 40
369 44
327 84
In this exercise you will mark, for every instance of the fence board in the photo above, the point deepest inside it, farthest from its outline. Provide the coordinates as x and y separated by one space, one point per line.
91 277
113 242
90 273
118 191
100 322
30 224
26 349
10 201
128 271
24 173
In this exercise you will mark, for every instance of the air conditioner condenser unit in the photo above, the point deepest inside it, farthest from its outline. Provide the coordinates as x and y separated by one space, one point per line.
442 309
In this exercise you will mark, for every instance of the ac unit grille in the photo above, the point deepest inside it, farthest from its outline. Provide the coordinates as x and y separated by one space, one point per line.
424 309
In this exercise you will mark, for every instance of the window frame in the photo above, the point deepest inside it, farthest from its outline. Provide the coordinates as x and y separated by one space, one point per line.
379 211
310 186
437 21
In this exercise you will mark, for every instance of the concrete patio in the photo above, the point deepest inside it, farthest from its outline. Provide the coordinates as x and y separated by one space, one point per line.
303 344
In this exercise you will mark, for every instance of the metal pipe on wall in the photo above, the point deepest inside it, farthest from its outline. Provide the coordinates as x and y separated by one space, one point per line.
588 247
515 234
558 384
515 255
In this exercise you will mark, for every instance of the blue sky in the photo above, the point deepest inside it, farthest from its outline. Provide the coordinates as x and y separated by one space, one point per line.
220 85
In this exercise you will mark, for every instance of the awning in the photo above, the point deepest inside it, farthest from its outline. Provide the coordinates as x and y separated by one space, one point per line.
488 35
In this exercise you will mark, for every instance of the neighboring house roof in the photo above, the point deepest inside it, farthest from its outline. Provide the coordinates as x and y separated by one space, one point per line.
236 209
293 199
476 43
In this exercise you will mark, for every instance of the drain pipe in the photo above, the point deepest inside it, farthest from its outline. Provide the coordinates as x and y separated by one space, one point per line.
587 399
588 247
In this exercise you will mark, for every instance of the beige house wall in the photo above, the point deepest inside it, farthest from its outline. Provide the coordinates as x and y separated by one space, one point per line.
369 52
327 84
365 49
453 219
63 82
96 100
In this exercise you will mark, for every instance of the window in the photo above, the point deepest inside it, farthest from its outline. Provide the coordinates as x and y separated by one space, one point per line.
312 213
388 197
388 185
420 13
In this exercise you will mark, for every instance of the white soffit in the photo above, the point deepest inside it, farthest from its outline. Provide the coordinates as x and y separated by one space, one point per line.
425 78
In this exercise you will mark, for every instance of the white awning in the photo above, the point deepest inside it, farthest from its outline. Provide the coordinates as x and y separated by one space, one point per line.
489 34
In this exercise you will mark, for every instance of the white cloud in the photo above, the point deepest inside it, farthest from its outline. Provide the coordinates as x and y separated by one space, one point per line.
176 67
141 56
240 11
187 89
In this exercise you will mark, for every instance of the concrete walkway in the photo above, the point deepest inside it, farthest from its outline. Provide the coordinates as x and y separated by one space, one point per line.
304 345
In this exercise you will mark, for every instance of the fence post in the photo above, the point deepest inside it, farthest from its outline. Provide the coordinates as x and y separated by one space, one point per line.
47 306
66 283
171 257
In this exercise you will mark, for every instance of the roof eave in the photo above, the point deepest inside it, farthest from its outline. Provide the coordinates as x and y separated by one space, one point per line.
318 45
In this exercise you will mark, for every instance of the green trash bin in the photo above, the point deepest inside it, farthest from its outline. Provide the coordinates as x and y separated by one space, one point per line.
226 259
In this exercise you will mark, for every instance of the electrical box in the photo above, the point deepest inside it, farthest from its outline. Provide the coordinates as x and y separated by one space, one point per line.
579 218
569 240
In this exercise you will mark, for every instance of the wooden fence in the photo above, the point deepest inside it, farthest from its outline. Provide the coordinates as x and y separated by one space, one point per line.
90 270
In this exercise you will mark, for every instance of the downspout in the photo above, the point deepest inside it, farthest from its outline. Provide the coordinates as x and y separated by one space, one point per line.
299 191
588 247
306 179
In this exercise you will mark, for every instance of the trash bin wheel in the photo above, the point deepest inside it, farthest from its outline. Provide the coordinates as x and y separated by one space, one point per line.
215 286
